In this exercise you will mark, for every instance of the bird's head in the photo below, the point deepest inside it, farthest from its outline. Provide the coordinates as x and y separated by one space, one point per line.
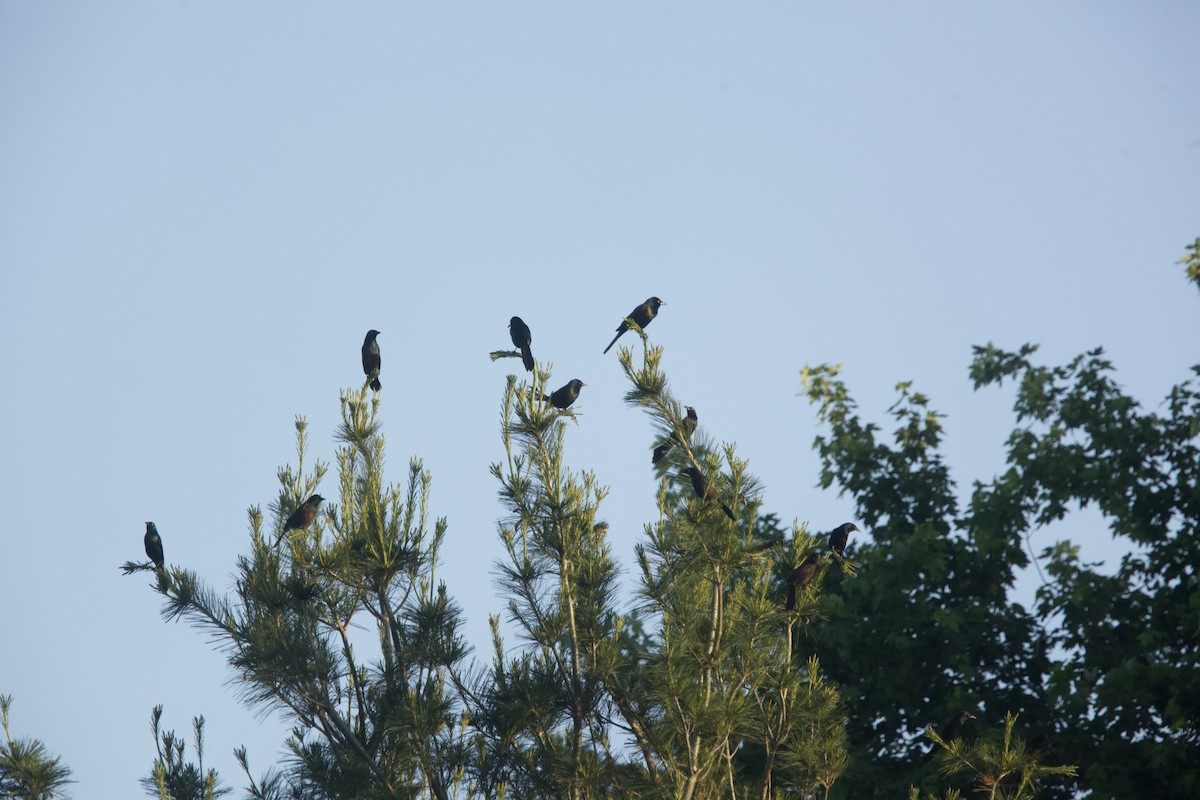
316 499
850 527
655 302
515 322
371 334
150 528
691 412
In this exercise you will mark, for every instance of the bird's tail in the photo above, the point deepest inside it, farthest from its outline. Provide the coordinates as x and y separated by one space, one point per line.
791 600
376 385
527 358
614 341
728 513
660 452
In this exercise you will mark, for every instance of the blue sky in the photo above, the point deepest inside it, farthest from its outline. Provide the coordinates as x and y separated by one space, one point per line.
205 205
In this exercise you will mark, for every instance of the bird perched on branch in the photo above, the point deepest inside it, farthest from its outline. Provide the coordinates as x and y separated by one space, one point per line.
800 577
953 729
707 492
642 315
688 424
370 358
304 514
153 544
562 398
840 537
521 339
950 731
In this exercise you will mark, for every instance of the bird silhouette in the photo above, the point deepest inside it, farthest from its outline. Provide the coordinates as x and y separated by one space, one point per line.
688 425
153 544
563 397
304 514
950 731
800 577
522 338
840 537
642 315
953 729
706 491
370 358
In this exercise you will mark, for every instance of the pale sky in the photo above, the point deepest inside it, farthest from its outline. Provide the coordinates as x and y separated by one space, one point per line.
205 205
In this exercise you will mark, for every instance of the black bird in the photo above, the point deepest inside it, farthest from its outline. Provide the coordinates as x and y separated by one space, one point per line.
707 492
642 315
953 728
951 731
689 427
522 338
562 398
304 515
153 544
841 537
800 577
370 353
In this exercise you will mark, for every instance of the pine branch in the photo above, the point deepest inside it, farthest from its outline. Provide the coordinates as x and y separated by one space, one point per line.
27 770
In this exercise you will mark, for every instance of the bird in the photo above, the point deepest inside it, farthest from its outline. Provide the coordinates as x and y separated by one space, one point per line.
304 514
840 537
950 731
707 492
642 315
153 544
953 728
800 577
562 398
522 338
688 424
370 354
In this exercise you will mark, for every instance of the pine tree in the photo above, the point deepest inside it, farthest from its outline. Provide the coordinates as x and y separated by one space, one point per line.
173 778
373 715
690 693
735 714
540 714
997 767
27 770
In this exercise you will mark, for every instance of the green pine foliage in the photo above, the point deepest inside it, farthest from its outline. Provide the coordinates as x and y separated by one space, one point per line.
539 714
698 681
692 691
733 712
999 767
1191 263
27 770
174 778
374 714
